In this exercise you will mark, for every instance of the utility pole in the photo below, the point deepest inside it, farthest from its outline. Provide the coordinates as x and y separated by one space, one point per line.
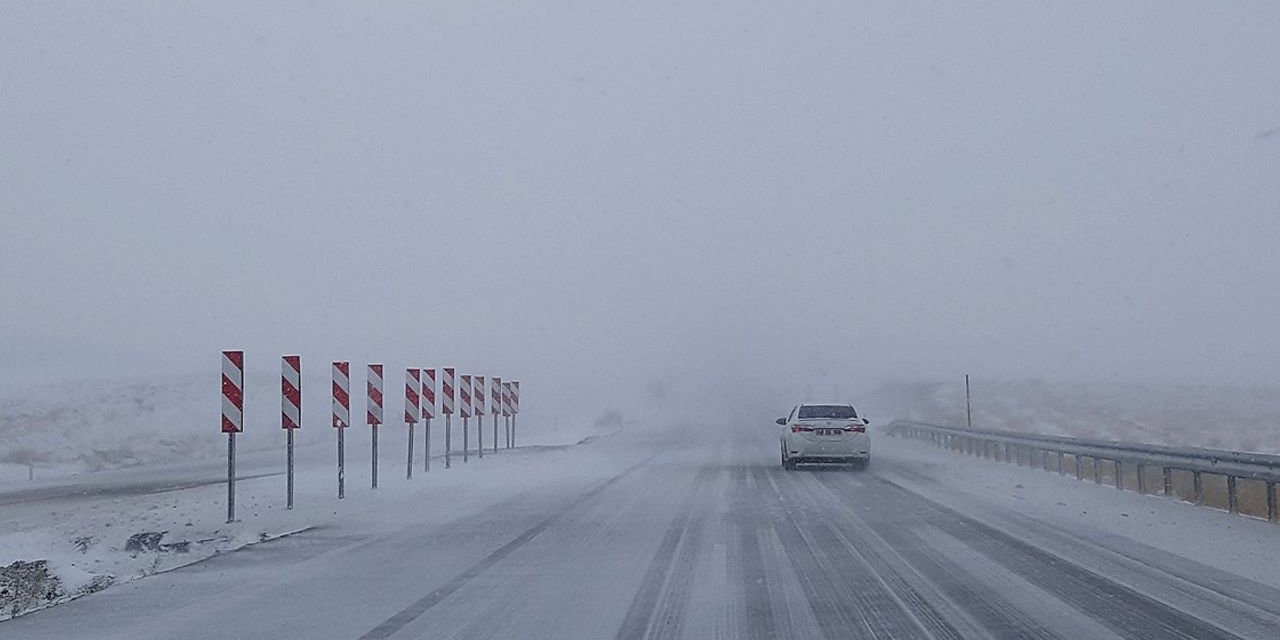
968 402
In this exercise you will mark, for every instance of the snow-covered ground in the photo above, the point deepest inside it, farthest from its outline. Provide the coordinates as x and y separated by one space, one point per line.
83 536
1242 546
85 466
131 458
1218 417
563 542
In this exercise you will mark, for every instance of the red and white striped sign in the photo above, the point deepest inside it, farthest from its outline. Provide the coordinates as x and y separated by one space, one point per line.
341 394
446 392
515 397
506 398
412 385
232 391
290 392
464 396
478 396
374 402
428 394
495 395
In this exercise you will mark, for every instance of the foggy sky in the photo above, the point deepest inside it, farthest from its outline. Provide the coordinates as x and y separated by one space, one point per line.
599 194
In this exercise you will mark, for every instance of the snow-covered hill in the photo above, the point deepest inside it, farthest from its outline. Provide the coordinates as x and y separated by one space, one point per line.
94 425
1219 417
86 426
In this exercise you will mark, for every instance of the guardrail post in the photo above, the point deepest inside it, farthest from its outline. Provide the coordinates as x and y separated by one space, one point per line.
1142 482
1044 460
1271 501
1198 482
1233 503
1119 475
1097 470
1168 479
1061 462
1079 469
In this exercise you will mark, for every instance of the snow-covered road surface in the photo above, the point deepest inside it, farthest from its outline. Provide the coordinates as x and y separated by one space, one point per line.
668 537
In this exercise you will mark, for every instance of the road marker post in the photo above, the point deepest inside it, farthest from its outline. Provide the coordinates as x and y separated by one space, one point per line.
515 408
373 411
506 411
464 410
341 417
412 404
495 406
232 418
428 412
290 413
478 397
446 407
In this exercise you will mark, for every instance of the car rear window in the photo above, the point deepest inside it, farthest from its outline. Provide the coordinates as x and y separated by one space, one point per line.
827 411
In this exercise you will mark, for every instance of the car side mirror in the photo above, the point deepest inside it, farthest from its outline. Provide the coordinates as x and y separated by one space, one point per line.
782 422
865 422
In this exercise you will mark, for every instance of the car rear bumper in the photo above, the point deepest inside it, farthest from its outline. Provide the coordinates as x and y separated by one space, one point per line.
828 458
856 448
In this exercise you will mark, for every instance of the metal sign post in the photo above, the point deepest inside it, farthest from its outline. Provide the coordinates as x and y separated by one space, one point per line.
290 413
478 396
495 406
373 410
428 412
232 418
446 407
341 417
412 387
464 410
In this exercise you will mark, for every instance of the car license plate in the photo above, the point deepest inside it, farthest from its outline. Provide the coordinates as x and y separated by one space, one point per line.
830 432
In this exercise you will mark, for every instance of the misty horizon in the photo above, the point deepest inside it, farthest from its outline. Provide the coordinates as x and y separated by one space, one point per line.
780 197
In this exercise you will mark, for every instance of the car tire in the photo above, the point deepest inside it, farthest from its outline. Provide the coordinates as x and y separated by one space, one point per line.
861 465
787 463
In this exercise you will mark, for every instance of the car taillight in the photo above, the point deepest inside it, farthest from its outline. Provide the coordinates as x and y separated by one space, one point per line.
862 429
799 428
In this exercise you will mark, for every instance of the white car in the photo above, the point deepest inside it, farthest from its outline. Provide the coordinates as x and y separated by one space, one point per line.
831 433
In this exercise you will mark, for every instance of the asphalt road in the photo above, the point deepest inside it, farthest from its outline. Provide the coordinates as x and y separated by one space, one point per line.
702 540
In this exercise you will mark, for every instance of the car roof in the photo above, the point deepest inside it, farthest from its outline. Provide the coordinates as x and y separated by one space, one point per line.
826 404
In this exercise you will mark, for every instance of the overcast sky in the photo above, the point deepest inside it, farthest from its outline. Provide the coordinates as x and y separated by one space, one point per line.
604 193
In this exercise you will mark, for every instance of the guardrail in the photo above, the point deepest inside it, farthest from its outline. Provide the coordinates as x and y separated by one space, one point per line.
1237 482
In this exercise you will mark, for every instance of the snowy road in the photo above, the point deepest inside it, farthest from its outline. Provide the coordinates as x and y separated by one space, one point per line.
710 539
